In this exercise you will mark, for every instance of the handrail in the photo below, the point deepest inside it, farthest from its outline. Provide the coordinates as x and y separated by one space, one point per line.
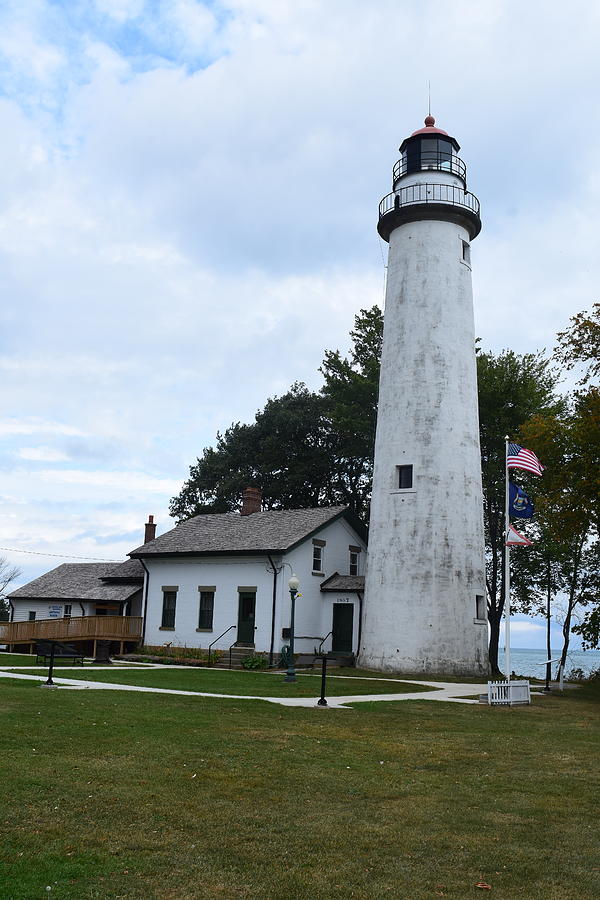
210 646
323 641
429 193
230 649
427 160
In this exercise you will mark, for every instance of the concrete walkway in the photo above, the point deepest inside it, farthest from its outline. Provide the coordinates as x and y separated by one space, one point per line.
453 693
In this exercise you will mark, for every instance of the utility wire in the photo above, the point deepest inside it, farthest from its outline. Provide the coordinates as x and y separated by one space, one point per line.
60 555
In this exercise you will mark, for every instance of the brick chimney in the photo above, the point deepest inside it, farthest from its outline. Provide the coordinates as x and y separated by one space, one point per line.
149 530
251 501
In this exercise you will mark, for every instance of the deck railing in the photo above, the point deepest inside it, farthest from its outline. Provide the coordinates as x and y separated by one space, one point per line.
113 628
416 194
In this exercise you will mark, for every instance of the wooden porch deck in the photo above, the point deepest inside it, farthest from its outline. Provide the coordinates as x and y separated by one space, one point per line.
77 628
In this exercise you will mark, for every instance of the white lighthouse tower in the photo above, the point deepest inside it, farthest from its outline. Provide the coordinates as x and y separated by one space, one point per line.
424 607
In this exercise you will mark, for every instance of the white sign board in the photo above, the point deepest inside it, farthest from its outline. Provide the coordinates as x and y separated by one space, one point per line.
55 611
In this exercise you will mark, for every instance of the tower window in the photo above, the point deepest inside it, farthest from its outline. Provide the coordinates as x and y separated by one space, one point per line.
479 606
466 252
405 477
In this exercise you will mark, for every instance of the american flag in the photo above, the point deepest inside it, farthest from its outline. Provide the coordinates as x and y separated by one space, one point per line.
520 458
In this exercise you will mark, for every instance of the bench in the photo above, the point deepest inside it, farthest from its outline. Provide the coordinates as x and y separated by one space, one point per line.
43 651
306 660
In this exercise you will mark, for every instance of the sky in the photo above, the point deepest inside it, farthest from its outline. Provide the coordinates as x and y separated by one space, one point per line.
188 207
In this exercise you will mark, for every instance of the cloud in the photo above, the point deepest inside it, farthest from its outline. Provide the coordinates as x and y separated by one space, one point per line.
131 482
188 201
42 454
525 629
120 10
32 426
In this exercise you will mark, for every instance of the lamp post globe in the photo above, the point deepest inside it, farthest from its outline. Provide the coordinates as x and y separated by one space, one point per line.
293 585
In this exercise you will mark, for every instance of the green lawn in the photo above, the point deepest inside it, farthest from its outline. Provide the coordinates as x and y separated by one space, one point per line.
220 681
16 659
156 797
418 676
26 659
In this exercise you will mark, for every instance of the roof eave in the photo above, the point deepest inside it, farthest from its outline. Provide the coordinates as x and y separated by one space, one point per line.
172 553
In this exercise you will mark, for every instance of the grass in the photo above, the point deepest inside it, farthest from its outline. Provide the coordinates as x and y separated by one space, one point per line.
16 659
417 676
220 681
155 797
26 659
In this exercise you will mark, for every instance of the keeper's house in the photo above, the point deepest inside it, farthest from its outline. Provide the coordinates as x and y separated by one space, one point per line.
217 579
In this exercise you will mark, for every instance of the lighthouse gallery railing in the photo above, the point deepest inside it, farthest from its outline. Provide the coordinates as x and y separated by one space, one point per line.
426 159
429 193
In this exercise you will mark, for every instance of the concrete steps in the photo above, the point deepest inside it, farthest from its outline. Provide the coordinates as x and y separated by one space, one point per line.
237 655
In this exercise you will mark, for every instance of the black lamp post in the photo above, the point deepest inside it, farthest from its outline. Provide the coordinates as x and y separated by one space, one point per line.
293 585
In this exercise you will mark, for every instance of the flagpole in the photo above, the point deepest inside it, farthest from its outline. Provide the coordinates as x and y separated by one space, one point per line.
506 567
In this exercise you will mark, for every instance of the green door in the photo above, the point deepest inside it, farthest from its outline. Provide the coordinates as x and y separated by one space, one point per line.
343 626
246 608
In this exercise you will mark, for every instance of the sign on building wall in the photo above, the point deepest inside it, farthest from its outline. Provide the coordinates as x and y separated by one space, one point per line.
55 611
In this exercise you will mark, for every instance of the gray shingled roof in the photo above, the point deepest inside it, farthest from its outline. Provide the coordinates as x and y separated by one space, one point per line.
76 581
348 583
269 531
131 571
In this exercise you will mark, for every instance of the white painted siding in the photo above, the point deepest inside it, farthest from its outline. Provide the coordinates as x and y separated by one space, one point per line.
227 574
426 554
42 609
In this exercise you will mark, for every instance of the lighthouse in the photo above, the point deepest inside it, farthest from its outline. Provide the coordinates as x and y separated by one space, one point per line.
424 605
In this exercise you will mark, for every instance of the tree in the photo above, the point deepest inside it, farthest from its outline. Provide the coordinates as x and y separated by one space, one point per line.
581 343
303 449
569 445
512 388
580 516
8 573
308 449
286 452
350 391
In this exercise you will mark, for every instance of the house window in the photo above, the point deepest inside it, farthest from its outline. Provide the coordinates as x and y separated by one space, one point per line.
168 610
354 558
67 610
32 615
405 477
479 606
206 607
318 552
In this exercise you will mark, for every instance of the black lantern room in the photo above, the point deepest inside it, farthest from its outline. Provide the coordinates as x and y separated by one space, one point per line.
430 148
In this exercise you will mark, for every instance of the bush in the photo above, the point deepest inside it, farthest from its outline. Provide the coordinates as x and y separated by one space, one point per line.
592 677
175 656
254 661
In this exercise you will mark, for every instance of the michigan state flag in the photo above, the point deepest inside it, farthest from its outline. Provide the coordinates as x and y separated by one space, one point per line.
519 504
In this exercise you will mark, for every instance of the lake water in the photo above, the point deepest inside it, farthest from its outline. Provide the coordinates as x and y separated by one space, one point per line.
524 662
